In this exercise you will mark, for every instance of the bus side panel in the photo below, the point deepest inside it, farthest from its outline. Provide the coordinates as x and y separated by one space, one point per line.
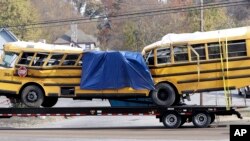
9 89
185 78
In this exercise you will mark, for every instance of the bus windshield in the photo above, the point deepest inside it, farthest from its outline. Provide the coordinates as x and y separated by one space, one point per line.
9 59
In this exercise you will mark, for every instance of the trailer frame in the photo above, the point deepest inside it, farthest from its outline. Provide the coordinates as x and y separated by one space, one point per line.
172 117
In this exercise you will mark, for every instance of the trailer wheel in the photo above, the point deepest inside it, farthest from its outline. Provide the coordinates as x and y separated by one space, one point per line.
212 118
247 94
32 96
163 95
49 101
172 120
201 119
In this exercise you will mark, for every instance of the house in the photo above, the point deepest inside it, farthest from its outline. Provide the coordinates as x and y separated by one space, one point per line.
6 36
77 38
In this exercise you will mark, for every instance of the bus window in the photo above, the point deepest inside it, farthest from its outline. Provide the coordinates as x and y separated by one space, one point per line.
55 60
163 56
70 60
79 63
9 59
39 59
200 49
149 57
237 48
180 54
213 50
25 58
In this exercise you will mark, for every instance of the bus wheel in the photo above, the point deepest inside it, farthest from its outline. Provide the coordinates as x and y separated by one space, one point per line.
49 101
163 95
201 119
32 96
172 120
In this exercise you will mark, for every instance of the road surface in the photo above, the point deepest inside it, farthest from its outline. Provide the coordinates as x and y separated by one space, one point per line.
155 133
115 128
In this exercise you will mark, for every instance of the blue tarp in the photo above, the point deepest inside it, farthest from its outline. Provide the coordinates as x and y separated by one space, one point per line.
114 70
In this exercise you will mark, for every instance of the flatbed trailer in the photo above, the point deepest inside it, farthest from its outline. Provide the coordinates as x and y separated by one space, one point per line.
172 117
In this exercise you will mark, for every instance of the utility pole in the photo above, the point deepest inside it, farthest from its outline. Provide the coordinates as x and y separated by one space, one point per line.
202 29
202 16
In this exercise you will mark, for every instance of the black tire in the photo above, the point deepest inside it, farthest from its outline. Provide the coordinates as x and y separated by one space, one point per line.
212 118
201 119
32 96
163 95
247 94
172 120
49 101
177 100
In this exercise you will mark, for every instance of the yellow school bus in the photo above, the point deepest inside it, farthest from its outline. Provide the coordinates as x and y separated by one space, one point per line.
180 64
38 73
199 62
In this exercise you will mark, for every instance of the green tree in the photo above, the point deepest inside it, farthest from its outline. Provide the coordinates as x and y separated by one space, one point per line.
214 19
130 34
16 14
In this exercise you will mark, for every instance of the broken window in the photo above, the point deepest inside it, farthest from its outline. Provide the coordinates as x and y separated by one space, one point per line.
39 59
200 49
180 54
26 58
163 56
70 60
55 60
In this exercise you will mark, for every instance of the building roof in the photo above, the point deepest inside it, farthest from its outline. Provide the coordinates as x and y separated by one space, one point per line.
9 33
81 38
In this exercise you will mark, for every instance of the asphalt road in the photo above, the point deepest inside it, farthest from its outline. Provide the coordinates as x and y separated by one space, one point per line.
116 133
127 128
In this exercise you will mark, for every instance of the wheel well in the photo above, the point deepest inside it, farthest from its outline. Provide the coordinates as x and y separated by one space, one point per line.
173 86
31 83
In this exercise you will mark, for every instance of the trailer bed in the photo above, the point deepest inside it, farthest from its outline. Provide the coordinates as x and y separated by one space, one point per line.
172 117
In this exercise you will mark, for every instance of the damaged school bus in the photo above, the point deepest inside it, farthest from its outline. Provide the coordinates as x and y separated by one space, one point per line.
38 74
200 62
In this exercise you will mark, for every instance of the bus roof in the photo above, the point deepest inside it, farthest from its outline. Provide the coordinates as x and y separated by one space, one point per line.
200 37
39 47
